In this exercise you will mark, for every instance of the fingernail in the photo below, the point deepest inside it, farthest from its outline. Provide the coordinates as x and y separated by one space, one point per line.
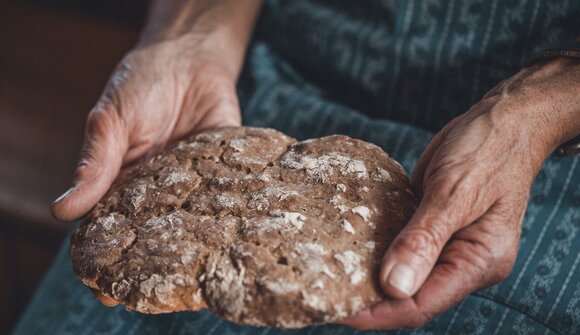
64 195
402 278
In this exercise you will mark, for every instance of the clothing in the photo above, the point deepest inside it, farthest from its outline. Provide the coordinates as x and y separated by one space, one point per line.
392 73
421 62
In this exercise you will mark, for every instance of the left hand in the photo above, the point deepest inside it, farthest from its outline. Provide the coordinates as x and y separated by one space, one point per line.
475 178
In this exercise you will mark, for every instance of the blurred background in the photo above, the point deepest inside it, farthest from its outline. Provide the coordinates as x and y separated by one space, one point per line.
55 57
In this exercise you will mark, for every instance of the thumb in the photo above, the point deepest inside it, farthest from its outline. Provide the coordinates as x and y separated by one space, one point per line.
104 146
414 252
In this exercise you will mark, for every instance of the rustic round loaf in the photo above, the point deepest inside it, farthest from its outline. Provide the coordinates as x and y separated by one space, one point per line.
260 228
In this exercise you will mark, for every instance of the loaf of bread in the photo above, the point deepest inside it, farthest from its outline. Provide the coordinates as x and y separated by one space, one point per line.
252 224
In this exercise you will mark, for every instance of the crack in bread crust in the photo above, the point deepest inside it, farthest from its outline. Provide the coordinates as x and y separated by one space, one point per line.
258 227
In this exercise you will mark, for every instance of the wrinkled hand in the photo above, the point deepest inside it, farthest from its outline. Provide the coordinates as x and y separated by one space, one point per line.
158 93
474 177
464 235
180 79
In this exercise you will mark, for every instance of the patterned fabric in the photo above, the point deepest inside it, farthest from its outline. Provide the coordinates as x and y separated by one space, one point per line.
417 61
392 73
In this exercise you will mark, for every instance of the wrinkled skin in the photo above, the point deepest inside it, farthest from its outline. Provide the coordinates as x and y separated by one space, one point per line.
146 106
474 177
154 97
179 80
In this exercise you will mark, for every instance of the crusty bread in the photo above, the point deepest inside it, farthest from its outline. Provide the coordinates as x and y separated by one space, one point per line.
260 228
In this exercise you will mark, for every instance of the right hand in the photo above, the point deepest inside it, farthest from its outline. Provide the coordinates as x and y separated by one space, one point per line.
180 79
159 92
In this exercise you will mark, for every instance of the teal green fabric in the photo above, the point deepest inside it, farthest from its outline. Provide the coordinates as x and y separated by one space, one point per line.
420 62
392 73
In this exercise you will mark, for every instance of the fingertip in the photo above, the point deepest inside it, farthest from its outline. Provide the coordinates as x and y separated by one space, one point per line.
398 281
91 182
63 196
108 302
61 208
79 200
361 320
103 299
104 147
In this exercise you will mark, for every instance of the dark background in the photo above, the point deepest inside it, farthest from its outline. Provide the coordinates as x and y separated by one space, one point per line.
55 57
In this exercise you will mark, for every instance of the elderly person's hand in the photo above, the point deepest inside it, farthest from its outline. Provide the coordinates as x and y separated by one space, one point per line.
475 178
179 79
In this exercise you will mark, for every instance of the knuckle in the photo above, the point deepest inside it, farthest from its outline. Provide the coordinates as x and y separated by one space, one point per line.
103 120
423 243
87 156
462 188
104 111
98 126
96 118
452 179
457 194
122 74
86 163
504 271
500 259
102 133
503 268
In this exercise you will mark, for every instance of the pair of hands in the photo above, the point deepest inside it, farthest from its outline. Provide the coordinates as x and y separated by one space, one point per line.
474 177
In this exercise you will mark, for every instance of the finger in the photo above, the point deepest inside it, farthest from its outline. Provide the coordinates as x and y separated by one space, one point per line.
104 146
419 171
418 175
445 287
224 112
449 204
466 265
109 302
